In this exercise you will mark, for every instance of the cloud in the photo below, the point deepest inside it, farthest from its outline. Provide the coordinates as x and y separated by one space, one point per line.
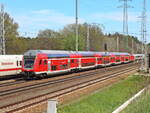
115 16
45 17
41 19
43 11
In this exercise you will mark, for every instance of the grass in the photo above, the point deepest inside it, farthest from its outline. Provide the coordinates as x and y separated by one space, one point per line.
108 99
141 105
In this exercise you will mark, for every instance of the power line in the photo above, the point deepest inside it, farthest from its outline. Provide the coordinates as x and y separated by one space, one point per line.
2 31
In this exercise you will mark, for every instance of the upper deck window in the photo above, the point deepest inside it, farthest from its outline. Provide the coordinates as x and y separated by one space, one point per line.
45 62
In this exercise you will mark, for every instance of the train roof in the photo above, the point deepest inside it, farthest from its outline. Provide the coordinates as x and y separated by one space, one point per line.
55 53
61 53
35 52
119 53
138 54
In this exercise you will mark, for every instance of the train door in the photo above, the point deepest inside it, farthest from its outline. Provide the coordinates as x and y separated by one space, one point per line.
43 65
18 65
74 63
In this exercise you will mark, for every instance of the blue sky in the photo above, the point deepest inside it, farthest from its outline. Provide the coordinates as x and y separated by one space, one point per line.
35 15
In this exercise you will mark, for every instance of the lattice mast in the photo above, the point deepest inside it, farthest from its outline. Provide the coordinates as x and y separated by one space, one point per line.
125 7
144 64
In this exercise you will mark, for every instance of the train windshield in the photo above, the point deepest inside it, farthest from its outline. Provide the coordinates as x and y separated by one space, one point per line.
28 63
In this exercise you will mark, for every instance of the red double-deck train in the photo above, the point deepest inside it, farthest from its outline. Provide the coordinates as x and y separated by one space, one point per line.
50 62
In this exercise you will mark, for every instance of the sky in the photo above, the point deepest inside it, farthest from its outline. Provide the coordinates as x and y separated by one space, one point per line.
35 15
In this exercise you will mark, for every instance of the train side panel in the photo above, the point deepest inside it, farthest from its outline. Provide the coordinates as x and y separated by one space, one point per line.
10 64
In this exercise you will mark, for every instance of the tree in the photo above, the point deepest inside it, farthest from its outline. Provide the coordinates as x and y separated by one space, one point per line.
66 39
11 34
47 33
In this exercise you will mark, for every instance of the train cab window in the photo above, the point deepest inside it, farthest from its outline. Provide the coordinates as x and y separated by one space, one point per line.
40 62
45 62
54 68
29 62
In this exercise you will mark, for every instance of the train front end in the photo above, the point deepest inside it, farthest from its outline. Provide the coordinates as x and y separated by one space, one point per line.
35 64
28 65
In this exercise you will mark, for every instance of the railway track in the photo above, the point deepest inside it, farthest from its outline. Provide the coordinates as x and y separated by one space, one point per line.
11 82
58 87
35 84
21 80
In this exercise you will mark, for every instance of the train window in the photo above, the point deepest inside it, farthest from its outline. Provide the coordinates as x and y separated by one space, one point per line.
99 59
20 63
54 68
64 66
45 62
17 63
88 64
118 60
40 62
106 61
113 58
72 60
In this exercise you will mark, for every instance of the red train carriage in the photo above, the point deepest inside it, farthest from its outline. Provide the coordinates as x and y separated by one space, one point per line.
37 62
106 60
74 61
88 60
132 58
99 59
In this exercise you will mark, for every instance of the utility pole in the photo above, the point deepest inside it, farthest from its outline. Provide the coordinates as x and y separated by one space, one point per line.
125 7
77 32
88 38
2 31
117 43
144 64
132 46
